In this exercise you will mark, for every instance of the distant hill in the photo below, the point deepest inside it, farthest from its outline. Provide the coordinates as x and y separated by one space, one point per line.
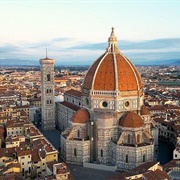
169 62
19 62
176 62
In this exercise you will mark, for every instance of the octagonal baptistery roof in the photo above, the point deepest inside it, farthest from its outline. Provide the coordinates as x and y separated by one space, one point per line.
112 71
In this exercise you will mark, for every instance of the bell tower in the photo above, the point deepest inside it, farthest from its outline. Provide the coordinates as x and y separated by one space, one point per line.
47 93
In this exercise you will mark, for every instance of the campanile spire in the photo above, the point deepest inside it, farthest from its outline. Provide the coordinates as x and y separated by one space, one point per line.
46 52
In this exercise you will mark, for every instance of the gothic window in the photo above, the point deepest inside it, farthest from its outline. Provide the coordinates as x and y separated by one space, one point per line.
78 133
138 138
50 101
129 138
101 153
48 77
47 101
49 91
126 158
75 154
144 158
87 101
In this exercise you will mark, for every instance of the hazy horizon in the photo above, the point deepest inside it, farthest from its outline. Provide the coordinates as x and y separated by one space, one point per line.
79 30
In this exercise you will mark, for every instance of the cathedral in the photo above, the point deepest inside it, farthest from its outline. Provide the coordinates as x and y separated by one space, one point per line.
107 122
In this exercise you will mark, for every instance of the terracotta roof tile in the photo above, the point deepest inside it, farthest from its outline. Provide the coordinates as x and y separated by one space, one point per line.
131 120
128 76
35 156
11 165
90 74
81 116
69 105
7 152
101 75
23 152
73 92
144 110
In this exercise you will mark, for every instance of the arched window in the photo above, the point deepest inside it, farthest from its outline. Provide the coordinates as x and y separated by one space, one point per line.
47 101
101 153
75 152
138 138
129 138
126 158
144 158
47 90
78 133
48 77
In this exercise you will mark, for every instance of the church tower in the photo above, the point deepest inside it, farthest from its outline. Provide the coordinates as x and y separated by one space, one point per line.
47 93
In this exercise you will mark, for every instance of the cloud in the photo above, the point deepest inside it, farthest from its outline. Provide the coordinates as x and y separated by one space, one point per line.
62 39
69 49
90 46
8 48
134 45
151 44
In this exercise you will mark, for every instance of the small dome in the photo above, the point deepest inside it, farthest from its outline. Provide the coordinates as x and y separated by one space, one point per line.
81 116
144 110
131 120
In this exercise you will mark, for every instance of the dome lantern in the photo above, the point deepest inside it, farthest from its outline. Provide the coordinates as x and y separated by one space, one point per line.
113 43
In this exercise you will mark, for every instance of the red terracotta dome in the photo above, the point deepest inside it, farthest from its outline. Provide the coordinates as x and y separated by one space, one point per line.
112 71
131 120
81 116
144 110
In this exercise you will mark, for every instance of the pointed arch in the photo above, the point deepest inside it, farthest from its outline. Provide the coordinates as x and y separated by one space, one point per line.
75 153
78 133
129 138
101 152
48 77
144 157
126 158
138 138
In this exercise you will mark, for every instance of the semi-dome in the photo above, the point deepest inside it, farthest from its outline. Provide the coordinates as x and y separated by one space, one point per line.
131 120
81 116
112 71
144 110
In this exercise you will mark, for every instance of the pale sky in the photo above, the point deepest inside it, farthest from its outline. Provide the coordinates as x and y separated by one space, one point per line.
78 30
